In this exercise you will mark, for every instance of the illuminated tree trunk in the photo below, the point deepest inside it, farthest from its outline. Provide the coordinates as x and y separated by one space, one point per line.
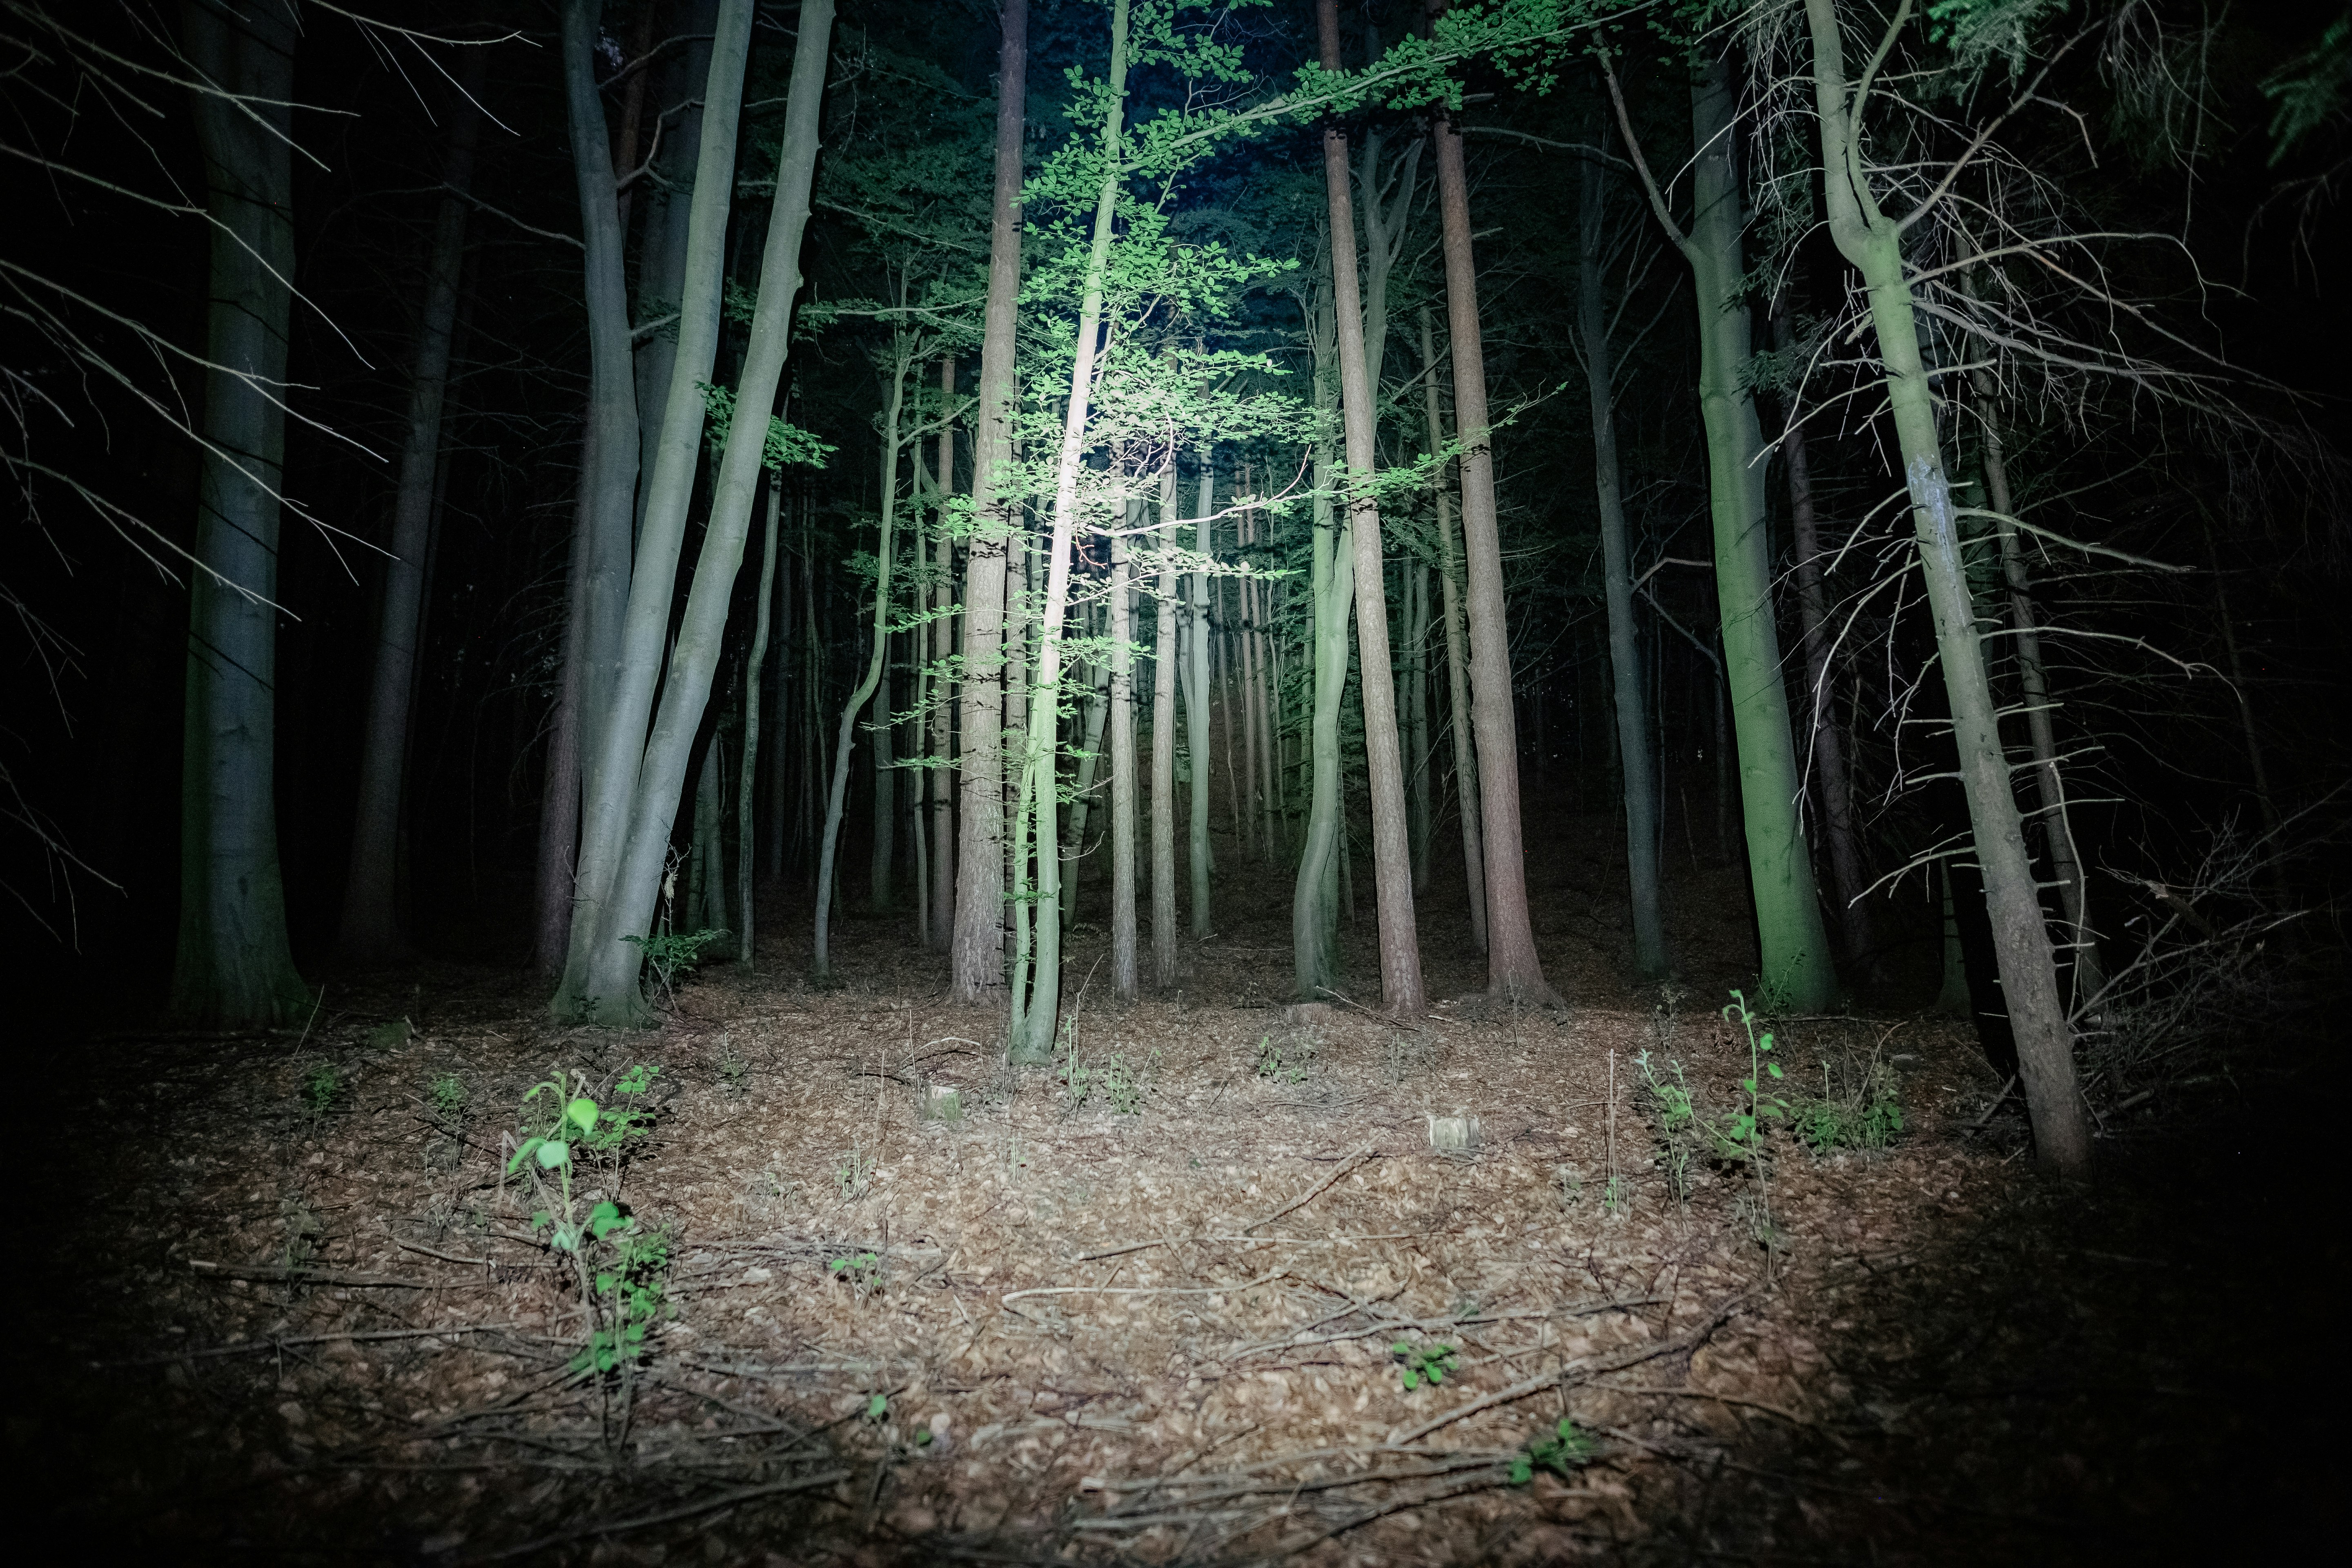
558 798
1457 672
661 247
1828 742
1634 764
1798 973
233 967
1083 814
882 867
640 819
1315 900
943 642
1196 708
1872 243
1163 743
1123 976
1513 973
977 960
1031 1029
1402 993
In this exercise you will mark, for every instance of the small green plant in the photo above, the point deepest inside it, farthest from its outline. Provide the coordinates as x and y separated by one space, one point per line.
855 1173
1675 1115
734 1071
878 1406
861 1270
1281 1064
1561 1450
1423 1363
1124 1087
1077 1078
671 956
632 1287
321 1087
1861 1107
1617 1198
1568 1182
447 1095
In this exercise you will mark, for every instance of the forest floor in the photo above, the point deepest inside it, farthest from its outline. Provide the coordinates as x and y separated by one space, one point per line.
277 1304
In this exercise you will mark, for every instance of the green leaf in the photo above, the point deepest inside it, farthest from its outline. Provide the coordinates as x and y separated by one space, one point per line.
1774 1068
605 1218
581 1113
877 1407
1522 1472
553 1153
1411 1380
523 1154
923 1438
1436 1374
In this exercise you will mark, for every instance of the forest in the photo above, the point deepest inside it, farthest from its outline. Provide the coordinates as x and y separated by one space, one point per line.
1442 781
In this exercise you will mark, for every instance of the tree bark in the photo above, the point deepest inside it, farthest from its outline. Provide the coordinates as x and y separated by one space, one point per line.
662 242
1198 768
943 643
233 966
1872 243
1315 900
1163 742
1457 672
370 932
978 960
746 834
1402 993
1636 774
1513 973
558 798
1123 976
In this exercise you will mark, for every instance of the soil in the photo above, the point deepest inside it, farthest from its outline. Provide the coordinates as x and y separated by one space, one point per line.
1164 1315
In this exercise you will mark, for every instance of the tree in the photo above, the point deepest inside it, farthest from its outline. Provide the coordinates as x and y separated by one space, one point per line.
1797 972
1872 241
235 968
977 959
1402 994
1457 671
1315 901
370 930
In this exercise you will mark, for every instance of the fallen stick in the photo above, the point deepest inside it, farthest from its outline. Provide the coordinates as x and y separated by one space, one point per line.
1354 1162
1144 1290
248 1347
646 1521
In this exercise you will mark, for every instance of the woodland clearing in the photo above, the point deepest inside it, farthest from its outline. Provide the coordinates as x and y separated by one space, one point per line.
1160 1325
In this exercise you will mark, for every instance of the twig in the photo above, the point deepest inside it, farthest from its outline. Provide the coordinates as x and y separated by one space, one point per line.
1998 1099
1355 1162
314 1277
248 1347
645 1521
1146 1289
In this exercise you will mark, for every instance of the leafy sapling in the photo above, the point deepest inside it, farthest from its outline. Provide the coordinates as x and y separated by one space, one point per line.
1561 1450
1423 1363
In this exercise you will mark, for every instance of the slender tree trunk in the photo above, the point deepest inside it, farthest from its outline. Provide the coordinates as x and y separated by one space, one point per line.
1199 769
642 820
1513 973
944 645
369 931
1033 1016
1641 785
1457 672
1082 794
235 968
1123 976
559 799
1872 243
1315 901
886 551
1402 993
746 835
1416 714
978 960
627 630
680 75
882 868
1798 973
1828 742
2057 828
1163 743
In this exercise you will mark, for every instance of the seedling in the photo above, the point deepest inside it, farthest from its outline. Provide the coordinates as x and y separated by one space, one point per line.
321 1085
1859 1109
1561 1451
862 1269
1423 1363
1275 1063
734 1072
672 956
851 1177
877 1407
1124 1087
447 1097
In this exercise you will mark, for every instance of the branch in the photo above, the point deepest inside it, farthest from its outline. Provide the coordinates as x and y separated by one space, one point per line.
1642 164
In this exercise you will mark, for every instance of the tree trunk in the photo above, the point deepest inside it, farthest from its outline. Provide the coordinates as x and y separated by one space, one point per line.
882 867
1402 994
1033 1016
1163 743
641 820
1315 900
1416 715
1872 243
746 835
944 645
371 932
1639 780
978 960
1797 974
662 244
1457 673
1123 976
1198 769
558 798
235 968
1513 973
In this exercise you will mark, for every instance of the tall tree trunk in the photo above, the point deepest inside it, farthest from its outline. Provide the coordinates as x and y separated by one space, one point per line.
1123 976
943 643
640 820
1315 900
1798 973
978 960
1872 243
1641 784
235 968
1513 973
1402 993
1196 705
1083 788
559 799
1828 742
626 631
1416 714
882 867
369 931
1457 672
746 835
876 661
1163 742
1034 1014
2057 828
678 79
